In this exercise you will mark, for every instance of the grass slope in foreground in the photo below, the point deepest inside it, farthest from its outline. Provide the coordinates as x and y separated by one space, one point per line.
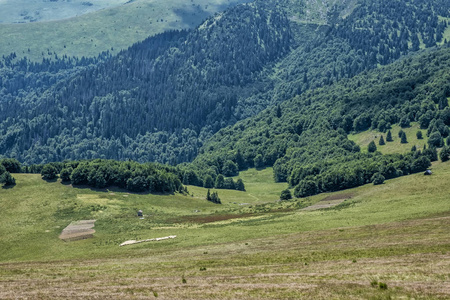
110 29
394 234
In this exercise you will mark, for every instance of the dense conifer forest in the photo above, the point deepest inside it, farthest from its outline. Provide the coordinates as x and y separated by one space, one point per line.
163 98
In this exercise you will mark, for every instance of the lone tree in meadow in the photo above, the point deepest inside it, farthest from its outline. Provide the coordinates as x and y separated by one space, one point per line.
240 185
286 194
214 197
7 179
372 147
419 135
389 136
381 142
403 139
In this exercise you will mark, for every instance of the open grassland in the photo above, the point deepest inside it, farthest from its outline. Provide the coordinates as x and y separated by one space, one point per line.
394 234
110 29
363 139
27 11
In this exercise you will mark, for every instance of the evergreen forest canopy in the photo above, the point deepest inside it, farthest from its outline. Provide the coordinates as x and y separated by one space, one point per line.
163 98
170 98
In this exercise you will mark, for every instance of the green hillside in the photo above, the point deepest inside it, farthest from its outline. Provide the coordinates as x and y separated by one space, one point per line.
363 139
109 29
175 90
305 138
263 249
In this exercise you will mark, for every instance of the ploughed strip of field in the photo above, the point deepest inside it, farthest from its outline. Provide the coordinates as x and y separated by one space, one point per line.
329 201
78 230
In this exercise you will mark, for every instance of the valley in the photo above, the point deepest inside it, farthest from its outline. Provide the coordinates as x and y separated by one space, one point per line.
290 149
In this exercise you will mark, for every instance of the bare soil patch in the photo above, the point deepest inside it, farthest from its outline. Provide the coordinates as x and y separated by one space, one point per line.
329 201
210 218
78 230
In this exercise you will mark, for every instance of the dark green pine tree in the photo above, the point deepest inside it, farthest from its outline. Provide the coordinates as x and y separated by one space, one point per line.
278 111
286 195
381 142
443 103
7 179
215 198
208 195
240 185
372 147
403 139
413 148
419 135
445 153
400 133
389 136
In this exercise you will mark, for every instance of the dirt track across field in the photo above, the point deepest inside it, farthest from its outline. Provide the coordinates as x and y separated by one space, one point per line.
78 230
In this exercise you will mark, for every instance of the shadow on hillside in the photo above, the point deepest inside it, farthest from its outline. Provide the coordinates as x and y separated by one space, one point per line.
7 187
50 180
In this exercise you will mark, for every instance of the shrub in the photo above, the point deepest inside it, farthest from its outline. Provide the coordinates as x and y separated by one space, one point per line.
286 195
372 147
382 286
419 135
7 179
240 185
377 179
65 174
209 182
49 172
435 140
445 153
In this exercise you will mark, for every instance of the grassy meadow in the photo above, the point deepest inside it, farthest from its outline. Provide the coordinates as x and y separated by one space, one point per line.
386 241
363 139
110 29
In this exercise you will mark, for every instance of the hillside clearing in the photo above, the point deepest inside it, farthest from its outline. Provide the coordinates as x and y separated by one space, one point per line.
363 139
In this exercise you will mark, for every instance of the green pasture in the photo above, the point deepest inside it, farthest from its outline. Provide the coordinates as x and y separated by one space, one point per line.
363 139
251 246
33 213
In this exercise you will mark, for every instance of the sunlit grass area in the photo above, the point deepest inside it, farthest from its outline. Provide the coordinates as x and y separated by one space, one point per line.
364 138
390 233
110 29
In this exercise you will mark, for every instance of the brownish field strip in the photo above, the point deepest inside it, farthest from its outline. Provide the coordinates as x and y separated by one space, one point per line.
78 230
330 201
209 218
412 257
339 197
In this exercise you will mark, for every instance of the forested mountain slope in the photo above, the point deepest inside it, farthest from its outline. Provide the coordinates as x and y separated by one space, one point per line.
85 28
161 99
305 138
